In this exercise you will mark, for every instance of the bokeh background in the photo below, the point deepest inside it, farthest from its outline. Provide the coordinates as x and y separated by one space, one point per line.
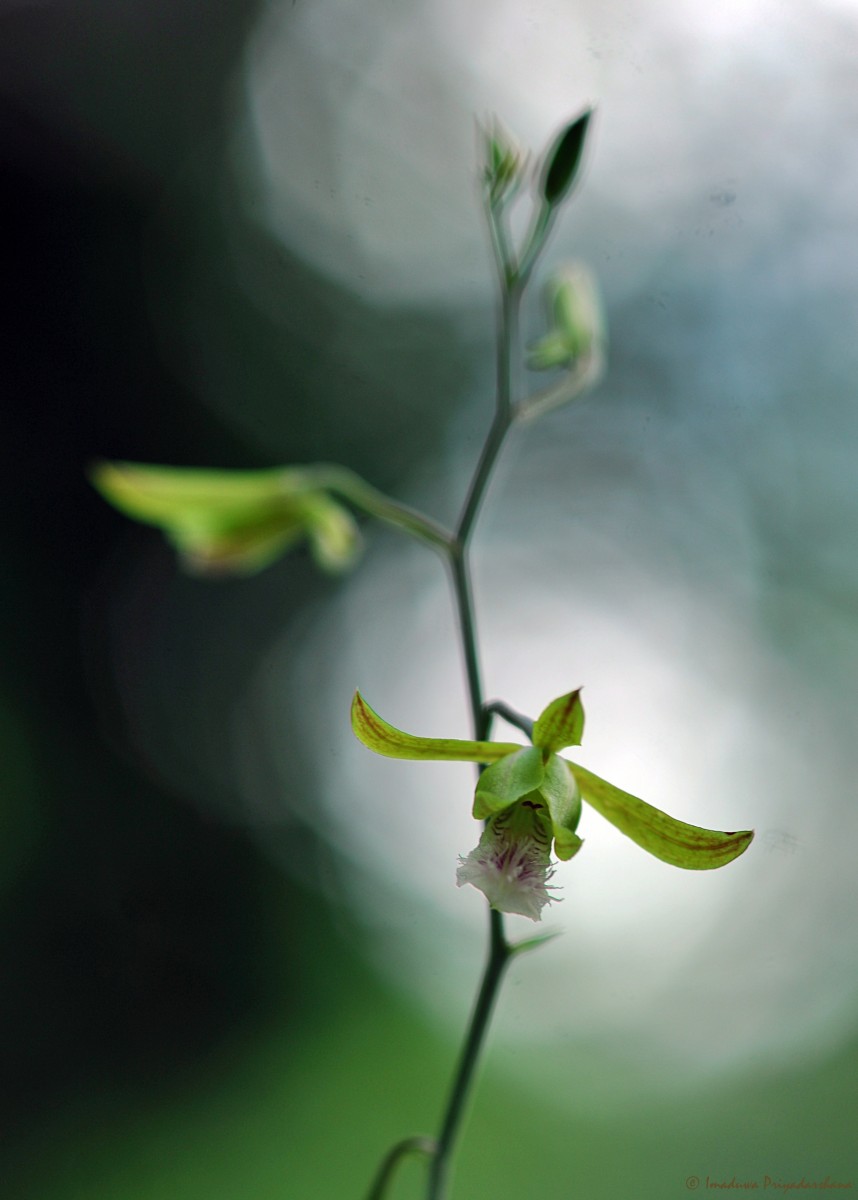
234 962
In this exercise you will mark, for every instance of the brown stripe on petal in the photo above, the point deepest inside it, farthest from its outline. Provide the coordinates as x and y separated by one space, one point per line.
665 837
377 735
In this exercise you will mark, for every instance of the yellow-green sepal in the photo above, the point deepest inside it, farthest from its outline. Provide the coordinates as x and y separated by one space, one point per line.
382 738
167 495
512 778
672 841
561 723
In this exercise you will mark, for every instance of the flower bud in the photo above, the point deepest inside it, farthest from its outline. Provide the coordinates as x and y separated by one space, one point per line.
504 163
563 161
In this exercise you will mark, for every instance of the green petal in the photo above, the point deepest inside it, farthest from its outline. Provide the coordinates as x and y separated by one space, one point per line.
577 309
243 550
225 522
166 496
514 776
670 840
331 530
560 792
377 735
561 724
549 352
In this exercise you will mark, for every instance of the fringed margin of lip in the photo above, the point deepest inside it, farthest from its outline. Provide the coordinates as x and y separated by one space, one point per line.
512 872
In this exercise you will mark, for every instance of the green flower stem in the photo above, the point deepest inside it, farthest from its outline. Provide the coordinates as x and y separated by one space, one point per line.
500 953
412 1145
455 548
363 496
504 413
500 950
461 578
500 241
511 717
566 389
535 242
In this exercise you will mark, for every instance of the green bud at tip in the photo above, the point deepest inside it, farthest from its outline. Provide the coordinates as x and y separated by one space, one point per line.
563 161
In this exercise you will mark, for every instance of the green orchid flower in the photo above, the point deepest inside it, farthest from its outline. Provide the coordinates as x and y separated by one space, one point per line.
233 522
577 323
530 797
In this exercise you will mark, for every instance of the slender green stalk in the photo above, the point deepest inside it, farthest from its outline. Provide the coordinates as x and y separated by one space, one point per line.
455 547
366 498
500 953
412 1145
535 241
500 950
510 715
500 244
463 592
500 425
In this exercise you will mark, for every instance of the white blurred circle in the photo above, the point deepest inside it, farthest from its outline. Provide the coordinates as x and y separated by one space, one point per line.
685 971
359 126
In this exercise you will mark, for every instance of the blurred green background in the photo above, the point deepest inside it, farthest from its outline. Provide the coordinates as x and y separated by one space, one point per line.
243 235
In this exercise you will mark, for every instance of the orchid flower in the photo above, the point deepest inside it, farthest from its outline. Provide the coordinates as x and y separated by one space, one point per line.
530 797
233 522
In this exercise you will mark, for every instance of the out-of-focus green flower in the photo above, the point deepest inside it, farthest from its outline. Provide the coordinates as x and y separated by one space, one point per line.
504 163
577 324
575 344
233 522
529 796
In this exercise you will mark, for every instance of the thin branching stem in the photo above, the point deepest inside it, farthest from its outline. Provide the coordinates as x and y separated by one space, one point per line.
402 1150
363 496
500 953
500 950
535 242
455 548
501 709
461 579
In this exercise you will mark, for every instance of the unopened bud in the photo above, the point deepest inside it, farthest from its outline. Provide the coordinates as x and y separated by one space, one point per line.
563 161
504 163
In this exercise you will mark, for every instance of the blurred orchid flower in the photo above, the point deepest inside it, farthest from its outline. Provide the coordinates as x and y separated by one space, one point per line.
233 522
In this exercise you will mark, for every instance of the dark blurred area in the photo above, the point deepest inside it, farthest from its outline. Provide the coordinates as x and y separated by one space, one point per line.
142 935
129 927
134 935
